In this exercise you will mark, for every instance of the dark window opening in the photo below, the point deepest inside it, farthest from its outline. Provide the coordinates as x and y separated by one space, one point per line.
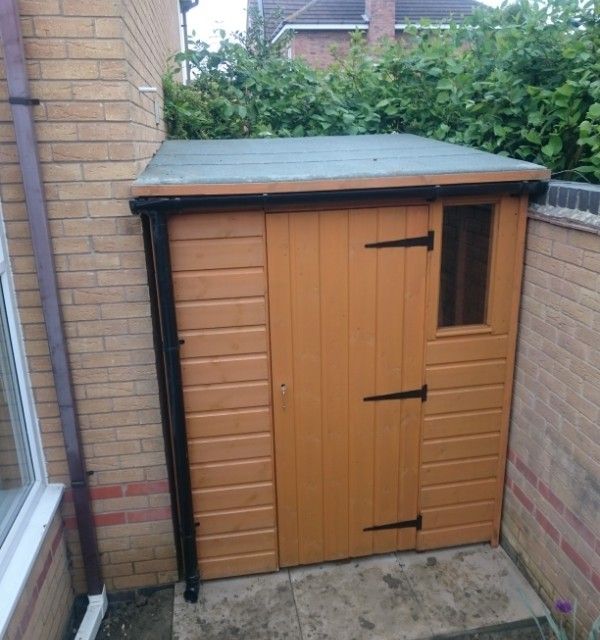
466 247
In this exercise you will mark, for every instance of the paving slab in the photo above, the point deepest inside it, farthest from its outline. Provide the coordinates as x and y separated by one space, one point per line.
250 608
469 588
399 596
356 600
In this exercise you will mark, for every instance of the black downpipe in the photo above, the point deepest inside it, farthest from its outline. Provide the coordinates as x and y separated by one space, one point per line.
174 398
160 370
432 192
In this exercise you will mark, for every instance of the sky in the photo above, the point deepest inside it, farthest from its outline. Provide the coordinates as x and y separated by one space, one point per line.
230 15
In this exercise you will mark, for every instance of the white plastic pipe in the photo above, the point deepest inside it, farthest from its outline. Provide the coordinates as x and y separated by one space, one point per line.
92 619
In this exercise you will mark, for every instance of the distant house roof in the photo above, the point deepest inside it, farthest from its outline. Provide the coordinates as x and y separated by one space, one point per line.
351 13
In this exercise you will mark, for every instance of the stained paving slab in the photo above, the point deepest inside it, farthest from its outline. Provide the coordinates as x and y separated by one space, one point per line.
398 596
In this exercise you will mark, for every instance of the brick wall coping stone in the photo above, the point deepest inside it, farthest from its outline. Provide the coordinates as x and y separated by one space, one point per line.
569 204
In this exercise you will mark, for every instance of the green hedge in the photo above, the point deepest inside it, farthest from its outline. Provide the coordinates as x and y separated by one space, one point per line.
522 80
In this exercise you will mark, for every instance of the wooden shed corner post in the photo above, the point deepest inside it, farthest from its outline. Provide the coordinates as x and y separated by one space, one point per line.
174 411
515 307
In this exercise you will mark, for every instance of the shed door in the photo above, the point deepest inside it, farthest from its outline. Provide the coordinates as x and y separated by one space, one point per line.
347 323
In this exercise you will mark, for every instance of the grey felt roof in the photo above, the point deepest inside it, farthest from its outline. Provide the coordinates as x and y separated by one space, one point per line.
278 13
336 158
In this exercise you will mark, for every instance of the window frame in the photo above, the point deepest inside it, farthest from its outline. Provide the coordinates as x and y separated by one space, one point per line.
436 213
27 533
486 325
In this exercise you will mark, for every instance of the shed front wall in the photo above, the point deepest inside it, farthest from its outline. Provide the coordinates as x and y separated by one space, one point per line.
221 286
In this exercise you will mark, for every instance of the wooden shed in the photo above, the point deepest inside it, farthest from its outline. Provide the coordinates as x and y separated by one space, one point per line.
336 323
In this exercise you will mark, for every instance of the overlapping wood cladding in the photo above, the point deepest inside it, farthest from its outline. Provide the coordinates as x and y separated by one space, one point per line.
469 374
220 288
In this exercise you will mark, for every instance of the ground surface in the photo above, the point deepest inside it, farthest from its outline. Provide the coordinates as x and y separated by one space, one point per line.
146 618
403 596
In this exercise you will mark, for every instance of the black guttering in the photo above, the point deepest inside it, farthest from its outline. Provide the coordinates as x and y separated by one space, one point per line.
169 372
265 199
22 112
160 369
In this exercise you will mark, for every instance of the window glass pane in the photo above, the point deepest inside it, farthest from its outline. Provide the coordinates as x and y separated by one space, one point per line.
16 469
466 242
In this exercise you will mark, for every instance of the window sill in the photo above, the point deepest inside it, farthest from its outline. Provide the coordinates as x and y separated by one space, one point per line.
17 568
463 330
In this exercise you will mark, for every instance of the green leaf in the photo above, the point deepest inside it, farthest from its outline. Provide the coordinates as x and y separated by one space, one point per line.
445 84
594 110
553 147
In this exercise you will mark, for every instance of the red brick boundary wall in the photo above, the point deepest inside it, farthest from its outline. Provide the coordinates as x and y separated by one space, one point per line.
44 608
551 519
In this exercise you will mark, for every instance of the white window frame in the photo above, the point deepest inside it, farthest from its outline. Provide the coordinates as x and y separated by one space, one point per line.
21 547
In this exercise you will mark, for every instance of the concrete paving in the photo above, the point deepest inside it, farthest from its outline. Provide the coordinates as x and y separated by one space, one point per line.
398 596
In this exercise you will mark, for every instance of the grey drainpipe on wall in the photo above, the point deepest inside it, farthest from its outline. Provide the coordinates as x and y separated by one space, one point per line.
22 112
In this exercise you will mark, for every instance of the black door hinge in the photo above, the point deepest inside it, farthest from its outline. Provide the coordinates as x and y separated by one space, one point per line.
400 395
405 524
421 241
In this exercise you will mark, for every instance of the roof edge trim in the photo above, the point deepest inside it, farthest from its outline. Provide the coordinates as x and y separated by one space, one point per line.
302 26
140 204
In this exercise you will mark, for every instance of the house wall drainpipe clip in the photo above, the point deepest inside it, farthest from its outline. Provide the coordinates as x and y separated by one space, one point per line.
22 105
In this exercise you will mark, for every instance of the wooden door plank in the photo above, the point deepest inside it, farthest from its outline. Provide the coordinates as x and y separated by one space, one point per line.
223 474
227 423
306 340
461 448
191 225
216 253
391 273
453 536
466 349
464 399
240 565
362 277
414 300
234 497
210 285
214 370
230 448
456 515
458 471
449 376
461 424
237 520
280 322
457 493
226 396
225 544
333 258
215 314
223 342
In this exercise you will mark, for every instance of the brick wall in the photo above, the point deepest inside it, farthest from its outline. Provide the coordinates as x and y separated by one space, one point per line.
44 607
96 131
318 47
382 19
551 515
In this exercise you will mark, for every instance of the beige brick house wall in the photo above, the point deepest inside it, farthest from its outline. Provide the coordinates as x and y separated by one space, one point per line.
44 608
552 502
96 131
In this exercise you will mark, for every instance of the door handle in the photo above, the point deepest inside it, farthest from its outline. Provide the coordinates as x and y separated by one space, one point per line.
283 396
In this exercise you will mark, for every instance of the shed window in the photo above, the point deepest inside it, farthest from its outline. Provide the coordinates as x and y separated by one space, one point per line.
464 280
